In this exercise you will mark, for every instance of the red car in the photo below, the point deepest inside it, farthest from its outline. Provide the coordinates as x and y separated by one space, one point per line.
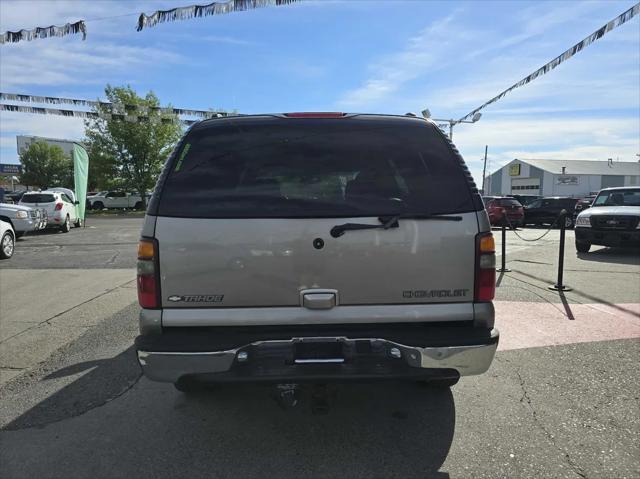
498 206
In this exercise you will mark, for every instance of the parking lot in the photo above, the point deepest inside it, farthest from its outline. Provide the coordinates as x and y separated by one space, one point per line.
560 400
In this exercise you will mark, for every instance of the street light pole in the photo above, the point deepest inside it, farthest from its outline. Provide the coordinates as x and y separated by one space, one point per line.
427 114
484 168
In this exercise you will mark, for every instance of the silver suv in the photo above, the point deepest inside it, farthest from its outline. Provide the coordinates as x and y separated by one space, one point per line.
315 246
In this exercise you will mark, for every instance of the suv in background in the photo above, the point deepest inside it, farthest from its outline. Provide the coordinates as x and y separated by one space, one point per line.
60 208
524 200
23 219
612 220
501 208
546 211
315 247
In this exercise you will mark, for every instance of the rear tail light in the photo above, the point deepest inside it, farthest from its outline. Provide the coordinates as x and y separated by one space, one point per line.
148 274
485 286
58 206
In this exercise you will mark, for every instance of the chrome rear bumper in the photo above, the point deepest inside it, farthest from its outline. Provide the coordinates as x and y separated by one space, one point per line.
382 358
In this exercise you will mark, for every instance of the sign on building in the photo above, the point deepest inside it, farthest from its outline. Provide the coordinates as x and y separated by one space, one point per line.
514 170
567 180
10 169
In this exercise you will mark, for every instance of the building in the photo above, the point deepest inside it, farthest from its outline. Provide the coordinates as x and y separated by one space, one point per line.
576 178
25 141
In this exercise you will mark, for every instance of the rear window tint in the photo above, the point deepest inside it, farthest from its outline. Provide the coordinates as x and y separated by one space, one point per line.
507 202
313 168
38 198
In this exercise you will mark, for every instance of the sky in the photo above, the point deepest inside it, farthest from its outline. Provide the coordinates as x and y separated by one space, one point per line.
352 56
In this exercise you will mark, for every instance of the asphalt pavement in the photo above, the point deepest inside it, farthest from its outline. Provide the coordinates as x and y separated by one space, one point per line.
560 401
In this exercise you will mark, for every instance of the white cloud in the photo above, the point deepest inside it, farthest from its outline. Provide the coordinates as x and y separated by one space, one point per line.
553 138
225 39
12 124
60 64
423 52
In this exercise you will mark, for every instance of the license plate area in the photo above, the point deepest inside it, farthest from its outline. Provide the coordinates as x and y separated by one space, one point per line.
318 351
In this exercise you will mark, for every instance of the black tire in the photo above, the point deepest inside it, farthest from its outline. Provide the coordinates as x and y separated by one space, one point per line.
583 246
568 222
98 205
66 226
138 205
19 234
7 245
77 223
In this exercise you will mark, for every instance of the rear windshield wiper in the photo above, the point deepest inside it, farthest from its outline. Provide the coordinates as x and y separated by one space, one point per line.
388 222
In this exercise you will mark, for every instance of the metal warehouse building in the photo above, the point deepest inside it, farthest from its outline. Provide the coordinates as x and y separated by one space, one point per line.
574 178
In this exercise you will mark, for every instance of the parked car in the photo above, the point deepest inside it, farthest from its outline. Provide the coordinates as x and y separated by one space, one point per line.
524 200
13 197
546 211
7 240
319 246
115 199
96 193
23 219
500 208
60 208
612 220
583 204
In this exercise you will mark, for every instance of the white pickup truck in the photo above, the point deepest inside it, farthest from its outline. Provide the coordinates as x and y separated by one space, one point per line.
115 199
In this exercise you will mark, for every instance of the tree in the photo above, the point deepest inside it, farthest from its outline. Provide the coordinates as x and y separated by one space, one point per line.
125 153
45 166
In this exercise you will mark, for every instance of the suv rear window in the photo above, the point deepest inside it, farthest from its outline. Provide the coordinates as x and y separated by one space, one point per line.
507 202
38 198
313 168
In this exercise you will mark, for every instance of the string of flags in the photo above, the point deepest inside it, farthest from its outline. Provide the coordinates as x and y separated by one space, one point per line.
144 20
197 11
132 118
45 32
564 56
116 108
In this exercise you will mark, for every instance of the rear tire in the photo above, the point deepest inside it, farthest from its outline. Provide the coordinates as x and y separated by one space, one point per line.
77 223
7 245
582 246
98 205
66 226
138 206
19 234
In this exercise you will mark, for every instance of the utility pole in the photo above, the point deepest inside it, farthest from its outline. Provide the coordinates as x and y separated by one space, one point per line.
484 168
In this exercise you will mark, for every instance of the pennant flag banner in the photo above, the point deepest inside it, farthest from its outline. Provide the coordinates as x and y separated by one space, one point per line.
91 115
115 108
598 34
45 32
215 8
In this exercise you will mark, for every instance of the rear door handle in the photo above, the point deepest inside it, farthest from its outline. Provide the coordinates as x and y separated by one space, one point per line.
319 299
